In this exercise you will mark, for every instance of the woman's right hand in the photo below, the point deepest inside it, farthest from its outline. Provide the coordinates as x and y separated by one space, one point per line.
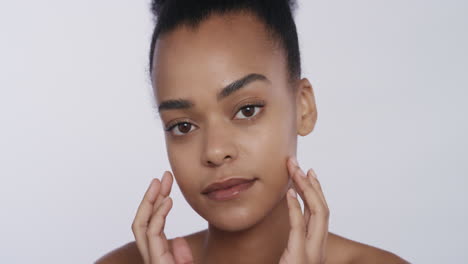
148 226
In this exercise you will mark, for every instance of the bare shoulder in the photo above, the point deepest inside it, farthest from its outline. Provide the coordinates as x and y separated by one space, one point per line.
129 253
344 250
339 250
125 254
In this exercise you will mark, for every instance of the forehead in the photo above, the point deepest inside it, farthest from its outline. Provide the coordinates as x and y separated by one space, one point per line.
220 49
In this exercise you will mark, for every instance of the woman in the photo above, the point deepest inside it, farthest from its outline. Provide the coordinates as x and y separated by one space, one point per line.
227 79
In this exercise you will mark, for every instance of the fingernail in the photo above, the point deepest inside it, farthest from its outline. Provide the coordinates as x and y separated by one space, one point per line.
311 172
153 183
292 192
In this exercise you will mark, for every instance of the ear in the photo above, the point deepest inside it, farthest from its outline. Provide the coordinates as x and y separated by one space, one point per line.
306 108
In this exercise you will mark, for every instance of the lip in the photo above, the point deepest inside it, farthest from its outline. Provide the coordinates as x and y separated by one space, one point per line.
227 189
225 184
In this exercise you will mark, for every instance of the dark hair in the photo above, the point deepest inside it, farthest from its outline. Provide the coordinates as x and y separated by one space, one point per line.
276 15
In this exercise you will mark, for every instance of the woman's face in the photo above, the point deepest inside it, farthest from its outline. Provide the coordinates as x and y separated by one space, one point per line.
215 138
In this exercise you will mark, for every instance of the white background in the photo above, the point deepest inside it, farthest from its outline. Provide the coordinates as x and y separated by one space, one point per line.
80 139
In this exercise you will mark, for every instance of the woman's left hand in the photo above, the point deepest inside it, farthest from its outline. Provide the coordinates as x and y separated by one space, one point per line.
308 235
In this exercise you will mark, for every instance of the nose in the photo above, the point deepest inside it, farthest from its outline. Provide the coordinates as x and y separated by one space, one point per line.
218 146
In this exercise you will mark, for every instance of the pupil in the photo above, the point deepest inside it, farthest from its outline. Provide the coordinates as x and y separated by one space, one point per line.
247 110
184 127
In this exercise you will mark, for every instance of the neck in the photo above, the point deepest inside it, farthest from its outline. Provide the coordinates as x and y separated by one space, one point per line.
262 243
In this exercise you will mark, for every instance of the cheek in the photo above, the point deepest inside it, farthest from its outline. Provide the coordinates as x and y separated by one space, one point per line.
266 153
182 160
274 147
275 141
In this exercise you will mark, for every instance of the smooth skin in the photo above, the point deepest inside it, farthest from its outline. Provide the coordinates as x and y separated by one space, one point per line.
307 237
220 140
309 231
309 240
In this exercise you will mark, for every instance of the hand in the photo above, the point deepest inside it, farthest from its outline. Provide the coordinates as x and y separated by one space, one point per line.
148 226
308 235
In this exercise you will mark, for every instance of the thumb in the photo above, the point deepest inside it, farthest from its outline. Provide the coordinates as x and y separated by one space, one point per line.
181 250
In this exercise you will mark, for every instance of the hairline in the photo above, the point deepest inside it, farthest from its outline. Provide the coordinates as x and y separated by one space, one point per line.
273 36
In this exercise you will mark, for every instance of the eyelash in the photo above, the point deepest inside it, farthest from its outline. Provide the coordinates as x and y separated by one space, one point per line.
256 104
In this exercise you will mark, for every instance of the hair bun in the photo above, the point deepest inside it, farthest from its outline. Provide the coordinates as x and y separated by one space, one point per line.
156 6
292 5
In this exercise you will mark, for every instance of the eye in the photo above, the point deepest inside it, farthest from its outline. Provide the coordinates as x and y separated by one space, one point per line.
180 128
249 110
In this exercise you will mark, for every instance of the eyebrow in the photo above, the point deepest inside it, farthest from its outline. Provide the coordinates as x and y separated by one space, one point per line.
225 92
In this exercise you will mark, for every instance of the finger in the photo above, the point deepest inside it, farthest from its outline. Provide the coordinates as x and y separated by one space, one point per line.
157 242
316 239
143 215
317 227
306 214
292 168
300 181
306 207
318 210
312 176
166 181
166 185
322 222
296 240
315 207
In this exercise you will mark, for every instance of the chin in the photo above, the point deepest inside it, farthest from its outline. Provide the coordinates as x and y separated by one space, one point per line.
234 222
233 219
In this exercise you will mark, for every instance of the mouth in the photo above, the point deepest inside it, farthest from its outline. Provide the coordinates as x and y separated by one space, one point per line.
228 189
